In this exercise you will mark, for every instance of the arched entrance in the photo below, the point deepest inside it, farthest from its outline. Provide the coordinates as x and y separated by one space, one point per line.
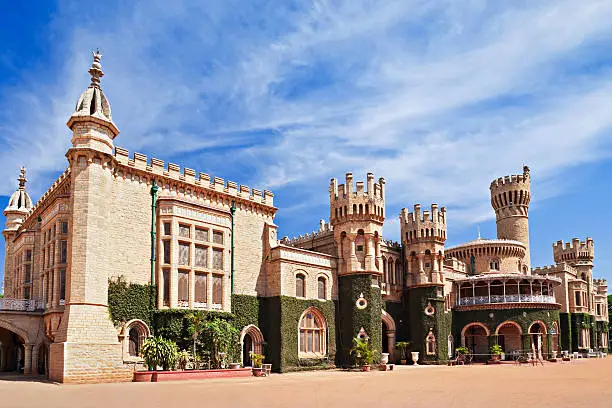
388 335
509 336
475 336
12 351
537 334
251 341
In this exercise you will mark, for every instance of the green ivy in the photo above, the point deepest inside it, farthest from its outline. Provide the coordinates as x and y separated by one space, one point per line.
130 301
174 324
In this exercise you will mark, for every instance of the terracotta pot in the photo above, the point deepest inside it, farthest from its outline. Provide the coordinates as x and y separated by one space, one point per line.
403 362
143 376
234 366
495 357
257 372
365 367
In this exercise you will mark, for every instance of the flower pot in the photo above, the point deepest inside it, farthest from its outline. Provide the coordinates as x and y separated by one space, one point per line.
496 357
415 357
384 358
234 366
257 372
365 367
554 354
404 362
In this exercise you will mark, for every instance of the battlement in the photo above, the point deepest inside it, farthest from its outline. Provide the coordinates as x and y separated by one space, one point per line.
513 181
324 229
574 251
357 200
188 176
557 268
428 225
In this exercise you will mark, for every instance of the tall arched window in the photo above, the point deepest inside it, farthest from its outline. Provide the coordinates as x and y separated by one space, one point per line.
300 285
430 344
321 287
312 338
494 264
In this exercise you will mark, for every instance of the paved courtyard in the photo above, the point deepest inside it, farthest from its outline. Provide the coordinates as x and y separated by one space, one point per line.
576 384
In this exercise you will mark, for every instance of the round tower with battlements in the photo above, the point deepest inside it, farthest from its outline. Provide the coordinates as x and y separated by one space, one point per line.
423 236
357 213
510 197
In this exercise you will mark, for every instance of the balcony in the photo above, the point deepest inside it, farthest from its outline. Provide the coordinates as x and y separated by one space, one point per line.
21 305
481 300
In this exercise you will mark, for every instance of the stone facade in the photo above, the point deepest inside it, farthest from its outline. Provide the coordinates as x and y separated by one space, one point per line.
215 242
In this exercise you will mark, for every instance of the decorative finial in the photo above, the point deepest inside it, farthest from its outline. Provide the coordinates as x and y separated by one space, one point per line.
96 69
22 178
526 171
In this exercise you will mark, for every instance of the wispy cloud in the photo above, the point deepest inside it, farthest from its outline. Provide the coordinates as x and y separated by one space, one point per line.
435 96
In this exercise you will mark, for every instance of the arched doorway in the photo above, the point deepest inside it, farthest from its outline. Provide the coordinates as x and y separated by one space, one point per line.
251 341
388 335
537 334
509 336
12 352
475 336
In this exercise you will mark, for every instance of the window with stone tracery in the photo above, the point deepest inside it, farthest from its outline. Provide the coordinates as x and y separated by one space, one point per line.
430 344
183 253
217 259
201 293
183 287
217 289
201 256
312 333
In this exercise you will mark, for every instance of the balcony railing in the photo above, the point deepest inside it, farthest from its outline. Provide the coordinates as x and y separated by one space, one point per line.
480 300
21 305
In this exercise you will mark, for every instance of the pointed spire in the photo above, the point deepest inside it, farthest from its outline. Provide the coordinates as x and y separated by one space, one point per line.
96 70
478 228
22 178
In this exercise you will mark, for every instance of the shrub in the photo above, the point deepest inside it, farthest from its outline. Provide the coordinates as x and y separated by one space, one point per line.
496 350
158 351
182 359
362 352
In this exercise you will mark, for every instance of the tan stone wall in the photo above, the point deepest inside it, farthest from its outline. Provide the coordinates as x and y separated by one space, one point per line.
87 363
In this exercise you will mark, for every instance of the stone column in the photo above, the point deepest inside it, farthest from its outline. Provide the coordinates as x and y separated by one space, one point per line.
35 361
27 359
391 345
369 252
191 288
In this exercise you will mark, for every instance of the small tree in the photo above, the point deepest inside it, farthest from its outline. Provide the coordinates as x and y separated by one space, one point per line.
197 324
158 351
220 337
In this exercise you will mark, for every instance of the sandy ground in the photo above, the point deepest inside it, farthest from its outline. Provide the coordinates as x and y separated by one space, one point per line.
584 383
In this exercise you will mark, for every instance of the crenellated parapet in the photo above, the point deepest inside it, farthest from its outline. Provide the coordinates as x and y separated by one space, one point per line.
325 228
359 201
188 177
510 195
561 267
574 251
423 226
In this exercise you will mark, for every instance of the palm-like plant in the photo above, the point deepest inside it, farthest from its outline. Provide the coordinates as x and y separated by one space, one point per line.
197 324
362 351
158 351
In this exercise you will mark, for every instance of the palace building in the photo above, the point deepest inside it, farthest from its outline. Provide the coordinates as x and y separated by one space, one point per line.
210 244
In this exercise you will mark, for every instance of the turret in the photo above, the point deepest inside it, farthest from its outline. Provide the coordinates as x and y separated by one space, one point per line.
423 236
510 197
19 204
357 215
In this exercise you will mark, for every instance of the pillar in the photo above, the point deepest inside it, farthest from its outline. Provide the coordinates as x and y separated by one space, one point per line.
27 359
35 361
391 345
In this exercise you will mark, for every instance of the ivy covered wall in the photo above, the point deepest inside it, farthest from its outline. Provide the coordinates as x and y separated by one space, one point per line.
351 319
131 301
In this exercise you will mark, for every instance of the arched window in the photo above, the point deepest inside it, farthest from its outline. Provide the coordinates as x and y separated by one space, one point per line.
494 264
312 333
321 287
430 344
300 285
133 335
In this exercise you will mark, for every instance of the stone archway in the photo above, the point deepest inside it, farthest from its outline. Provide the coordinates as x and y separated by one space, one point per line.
389 334
12 349
509 334
538 338
475 336
251 340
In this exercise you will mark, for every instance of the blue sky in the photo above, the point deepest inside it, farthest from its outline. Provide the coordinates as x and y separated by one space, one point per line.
439 97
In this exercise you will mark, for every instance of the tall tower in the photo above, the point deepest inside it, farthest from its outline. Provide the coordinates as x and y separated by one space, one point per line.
510 197
580 255
357 217
423 236
86 343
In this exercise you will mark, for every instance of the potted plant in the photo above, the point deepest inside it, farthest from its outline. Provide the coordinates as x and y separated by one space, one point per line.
158 351
496 352
257 362
182 359
403 346
362 353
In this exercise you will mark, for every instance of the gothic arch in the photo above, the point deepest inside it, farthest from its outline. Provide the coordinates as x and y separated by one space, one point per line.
257 340
390 333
